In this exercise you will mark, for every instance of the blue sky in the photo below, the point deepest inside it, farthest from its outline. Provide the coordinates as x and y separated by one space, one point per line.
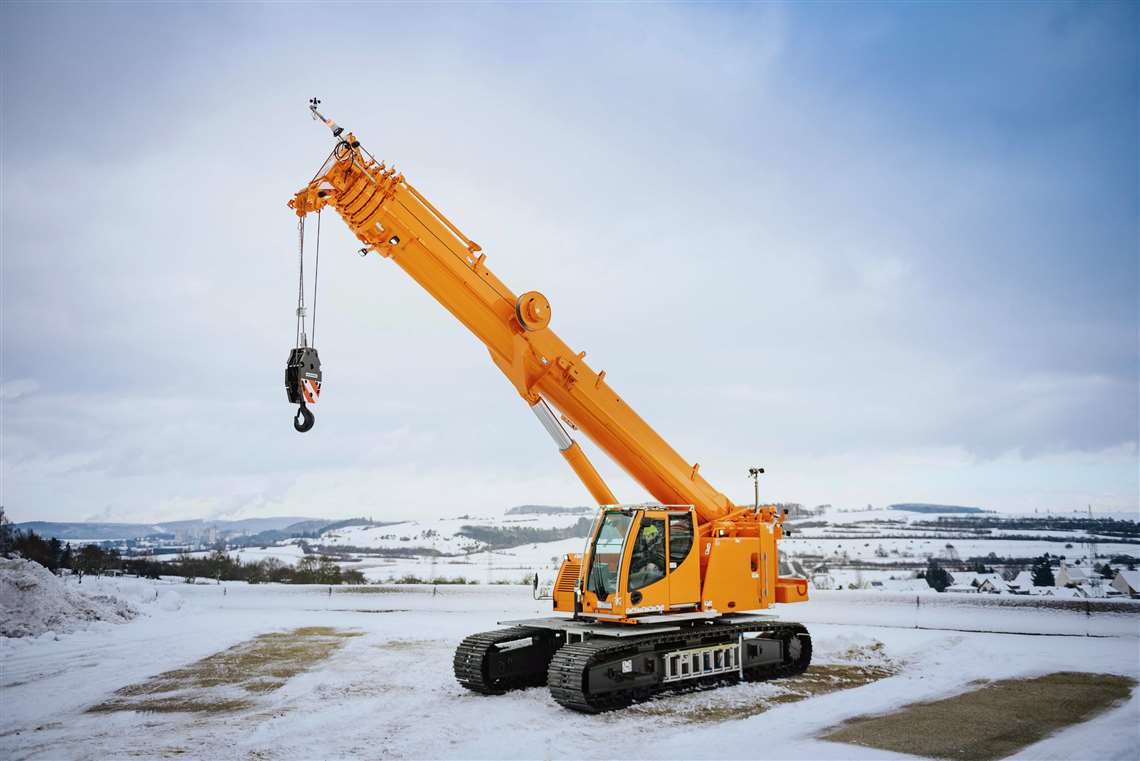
888 251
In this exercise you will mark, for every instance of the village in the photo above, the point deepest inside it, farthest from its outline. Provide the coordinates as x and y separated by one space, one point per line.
1069 582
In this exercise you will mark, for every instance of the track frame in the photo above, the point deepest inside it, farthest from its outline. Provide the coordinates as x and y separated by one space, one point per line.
592 667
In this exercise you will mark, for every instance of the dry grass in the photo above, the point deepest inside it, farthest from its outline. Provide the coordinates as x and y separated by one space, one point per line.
404 644
226 681
993 721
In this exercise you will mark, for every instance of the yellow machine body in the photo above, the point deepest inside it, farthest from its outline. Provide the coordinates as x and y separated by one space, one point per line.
649 560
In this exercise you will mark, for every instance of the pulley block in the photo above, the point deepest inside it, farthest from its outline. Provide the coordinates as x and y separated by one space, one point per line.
303 383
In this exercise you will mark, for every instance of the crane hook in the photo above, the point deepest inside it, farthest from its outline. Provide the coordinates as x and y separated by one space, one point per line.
304 419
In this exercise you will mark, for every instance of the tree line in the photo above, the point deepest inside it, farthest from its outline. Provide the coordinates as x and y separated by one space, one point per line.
1041 570
91 559
505 537
311 569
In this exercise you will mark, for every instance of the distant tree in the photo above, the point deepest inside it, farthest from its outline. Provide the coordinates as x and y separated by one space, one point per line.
937 576
274 570
328 572
307 570
1012 570
1106 572
91 559
6 534
55 554
255 573
31 546
1042 573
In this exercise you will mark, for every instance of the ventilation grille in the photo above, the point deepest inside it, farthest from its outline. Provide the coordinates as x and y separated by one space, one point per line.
567 576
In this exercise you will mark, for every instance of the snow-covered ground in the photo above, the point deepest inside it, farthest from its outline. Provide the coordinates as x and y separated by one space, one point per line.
34 602
867 549
892 536
509 566
441 535
858 547
390 691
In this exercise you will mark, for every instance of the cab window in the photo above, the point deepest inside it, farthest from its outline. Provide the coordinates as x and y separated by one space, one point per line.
607 553
680 538
647 564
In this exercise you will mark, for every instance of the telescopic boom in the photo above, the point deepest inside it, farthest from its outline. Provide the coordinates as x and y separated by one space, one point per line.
389 216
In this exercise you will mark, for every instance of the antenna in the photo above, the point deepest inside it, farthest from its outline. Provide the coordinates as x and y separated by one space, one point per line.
756 473
314 103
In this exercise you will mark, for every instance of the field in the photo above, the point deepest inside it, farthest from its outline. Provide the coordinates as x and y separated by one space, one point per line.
233 671
836 549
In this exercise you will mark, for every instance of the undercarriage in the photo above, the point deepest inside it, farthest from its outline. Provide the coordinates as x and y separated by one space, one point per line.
599 667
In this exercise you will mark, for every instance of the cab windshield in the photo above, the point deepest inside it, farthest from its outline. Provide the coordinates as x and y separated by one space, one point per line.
606 559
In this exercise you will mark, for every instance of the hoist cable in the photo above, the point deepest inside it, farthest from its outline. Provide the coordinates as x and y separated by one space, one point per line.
300 280
316 274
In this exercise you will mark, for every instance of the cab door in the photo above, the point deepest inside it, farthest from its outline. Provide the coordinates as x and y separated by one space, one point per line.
684 561
647 584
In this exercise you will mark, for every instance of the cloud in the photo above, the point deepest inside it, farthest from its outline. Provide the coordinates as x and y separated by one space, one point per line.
869 247
14 389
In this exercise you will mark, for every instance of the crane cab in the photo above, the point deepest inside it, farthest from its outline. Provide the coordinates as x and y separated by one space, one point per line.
639 560
654 560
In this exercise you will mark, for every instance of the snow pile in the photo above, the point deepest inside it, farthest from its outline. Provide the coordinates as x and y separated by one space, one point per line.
34 601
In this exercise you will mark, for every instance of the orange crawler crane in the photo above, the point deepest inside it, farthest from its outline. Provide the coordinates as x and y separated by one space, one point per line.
657 599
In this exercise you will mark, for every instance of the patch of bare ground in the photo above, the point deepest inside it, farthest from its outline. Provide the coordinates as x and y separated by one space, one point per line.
995 720
863 666
226 681
404 644
173 752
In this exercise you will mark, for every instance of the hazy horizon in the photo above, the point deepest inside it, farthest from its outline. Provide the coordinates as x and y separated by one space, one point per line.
886 251
493 514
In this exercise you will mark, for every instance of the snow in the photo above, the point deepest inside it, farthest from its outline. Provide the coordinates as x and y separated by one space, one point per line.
515 565
33 602
390 691
870 549
1023 581
1131 578
888 536
899 549
441 535
288 554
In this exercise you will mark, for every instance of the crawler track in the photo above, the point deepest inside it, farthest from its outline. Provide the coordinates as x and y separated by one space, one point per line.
481 665
573 668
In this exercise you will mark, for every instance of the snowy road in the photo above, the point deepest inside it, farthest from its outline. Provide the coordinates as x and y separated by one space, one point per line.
390 692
